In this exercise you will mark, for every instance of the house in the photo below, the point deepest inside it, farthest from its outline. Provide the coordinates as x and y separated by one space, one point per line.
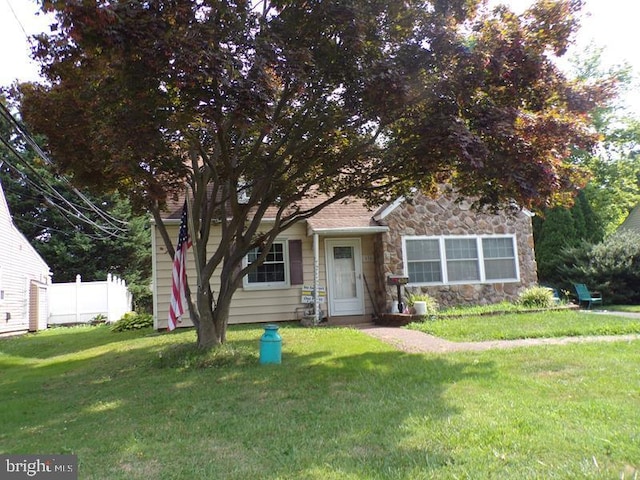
448 250
24 279
632 222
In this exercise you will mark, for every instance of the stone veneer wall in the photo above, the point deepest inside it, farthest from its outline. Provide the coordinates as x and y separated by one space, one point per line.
444 216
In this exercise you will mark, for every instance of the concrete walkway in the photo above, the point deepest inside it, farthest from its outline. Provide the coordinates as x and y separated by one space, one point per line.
414 341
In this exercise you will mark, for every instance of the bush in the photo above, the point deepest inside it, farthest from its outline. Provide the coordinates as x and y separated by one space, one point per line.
536 297
432 304
133 321
98 319
611 267
142 298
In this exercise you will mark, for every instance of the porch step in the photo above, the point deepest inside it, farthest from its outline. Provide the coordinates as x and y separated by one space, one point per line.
350 320
397 319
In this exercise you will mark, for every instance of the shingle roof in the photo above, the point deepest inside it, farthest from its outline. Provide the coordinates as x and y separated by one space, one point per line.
632 222
350 213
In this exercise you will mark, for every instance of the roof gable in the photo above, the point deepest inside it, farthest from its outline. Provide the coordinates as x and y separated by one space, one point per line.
350 212
14 236
632 222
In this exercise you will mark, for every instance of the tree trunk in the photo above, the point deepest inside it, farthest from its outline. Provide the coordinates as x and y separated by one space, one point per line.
208 334
212 330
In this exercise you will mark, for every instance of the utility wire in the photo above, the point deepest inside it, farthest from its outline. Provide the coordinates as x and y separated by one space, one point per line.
73 212
22 130
17 20
29 138
109 219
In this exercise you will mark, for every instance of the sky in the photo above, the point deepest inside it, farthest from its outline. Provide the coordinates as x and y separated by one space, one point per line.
610 24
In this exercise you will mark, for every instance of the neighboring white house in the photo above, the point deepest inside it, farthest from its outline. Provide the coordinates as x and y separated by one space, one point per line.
24 279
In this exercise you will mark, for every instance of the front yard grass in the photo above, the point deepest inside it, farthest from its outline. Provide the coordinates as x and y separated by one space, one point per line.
623 308
510 326
342 405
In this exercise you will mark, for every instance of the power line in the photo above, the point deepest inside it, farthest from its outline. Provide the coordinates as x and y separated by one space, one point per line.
17 20
48 228
112 228
31 141
50 191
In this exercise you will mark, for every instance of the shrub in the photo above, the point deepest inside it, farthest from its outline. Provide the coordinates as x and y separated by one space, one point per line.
611 267
133 321
536 297
432 304
98 319
142 298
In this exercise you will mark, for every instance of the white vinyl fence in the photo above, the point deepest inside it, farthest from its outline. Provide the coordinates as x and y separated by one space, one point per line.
80 302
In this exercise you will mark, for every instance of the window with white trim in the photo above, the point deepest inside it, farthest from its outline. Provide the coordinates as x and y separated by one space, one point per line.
274 272
499 258
460 259
423 260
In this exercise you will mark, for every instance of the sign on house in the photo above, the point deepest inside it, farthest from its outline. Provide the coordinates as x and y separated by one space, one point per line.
309 297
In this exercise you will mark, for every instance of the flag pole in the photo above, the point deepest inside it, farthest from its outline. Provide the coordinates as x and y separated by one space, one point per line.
195 240
179 273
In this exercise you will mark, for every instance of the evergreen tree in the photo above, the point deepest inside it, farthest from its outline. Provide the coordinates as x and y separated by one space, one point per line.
589 226
613 189
553 233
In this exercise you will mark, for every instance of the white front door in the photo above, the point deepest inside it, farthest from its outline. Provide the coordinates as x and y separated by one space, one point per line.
344 273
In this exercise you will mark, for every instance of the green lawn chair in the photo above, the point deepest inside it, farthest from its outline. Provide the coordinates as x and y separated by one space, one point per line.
585 296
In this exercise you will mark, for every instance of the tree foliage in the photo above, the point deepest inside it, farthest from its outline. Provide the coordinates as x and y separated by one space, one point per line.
560 228
611 266
69 245
614 185
287 100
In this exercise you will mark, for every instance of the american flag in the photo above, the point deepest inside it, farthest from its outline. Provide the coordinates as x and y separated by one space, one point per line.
179 273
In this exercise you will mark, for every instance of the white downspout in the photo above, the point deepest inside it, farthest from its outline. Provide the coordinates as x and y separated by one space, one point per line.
316 279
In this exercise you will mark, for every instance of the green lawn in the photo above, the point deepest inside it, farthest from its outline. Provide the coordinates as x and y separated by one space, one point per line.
624 308
340 406
563 323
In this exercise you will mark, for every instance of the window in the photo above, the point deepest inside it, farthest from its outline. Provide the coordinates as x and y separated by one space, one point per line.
272 271
463 259
423 261
282 266
499 258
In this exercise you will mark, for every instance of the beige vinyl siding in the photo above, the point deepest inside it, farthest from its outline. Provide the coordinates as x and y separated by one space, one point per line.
369 272
253 305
